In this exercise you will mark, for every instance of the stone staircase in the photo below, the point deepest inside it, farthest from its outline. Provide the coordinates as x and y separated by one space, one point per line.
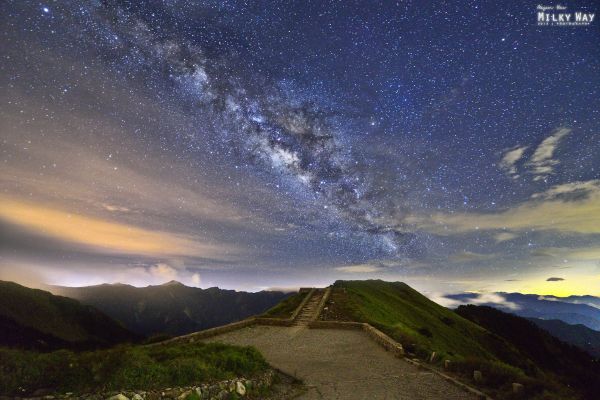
307 313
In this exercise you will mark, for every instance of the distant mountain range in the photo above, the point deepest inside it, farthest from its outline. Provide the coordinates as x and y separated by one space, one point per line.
577 335
36 319
171 308
574 319
584 310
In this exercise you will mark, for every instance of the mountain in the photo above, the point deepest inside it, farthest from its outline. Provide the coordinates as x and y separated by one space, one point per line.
36 319
171 308
572 365
423 327
572 310
589 300
578 335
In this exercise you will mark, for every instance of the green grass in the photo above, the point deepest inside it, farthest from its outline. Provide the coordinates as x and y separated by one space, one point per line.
423 326
125 367
408 316
286 307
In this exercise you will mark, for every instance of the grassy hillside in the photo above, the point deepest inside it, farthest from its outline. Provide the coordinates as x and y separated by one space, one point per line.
420 324
125 368
34 318
172 308
423 326
286 307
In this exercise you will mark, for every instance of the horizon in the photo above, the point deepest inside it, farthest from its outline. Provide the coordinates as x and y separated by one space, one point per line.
244 147
438 297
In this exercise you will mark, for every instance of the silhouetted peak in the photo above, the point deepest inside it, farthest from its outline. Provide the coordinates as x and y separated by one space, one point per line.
172 283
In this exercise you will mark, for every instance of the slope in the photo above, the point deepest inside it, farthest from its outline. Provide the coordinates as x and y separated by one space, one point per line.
33 318
575 367
578 335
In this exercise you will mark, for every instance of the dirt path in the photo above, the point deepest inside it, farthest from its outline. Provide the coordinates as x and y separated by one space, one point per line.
342 364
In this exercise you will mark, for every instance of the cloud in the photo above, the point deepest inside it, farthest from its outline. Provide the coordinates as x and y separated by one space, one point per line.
360 268
510 158
569 253
104 235
542 162
196 280
541 252
505 236
164 272
541 213
468 256
477 299
115 208
572 191
554 279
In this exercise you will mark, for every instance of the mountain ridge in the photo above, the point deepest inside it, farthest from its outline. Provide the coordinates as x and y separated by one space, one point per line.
38 319
172 308
539 306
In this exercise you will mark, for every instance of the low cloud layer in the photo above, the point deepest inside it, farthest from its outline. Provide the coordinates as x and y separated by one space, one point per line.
477 299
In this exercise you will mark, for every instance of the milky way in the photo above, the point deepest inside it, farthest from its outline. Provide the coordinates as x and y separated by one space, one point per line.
263 124
405 141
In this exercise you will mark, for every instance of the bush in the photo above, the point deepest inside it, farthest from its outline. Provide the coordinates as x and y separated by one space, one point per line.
425 332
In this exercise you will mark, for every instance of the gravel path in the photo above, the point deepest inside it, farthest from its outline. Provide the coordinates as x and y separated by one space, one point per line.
342 364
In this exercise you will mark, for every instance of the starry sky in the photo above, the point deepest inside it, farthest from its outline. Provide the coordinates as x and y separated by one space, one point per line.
454 146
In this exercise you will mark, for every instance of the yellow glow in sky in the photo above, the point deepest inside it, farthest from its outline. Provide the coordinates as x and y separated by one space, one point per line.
100 233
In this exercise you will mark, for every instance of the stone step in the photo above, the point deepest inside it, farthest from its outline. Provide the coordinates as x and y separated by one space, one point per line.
307 312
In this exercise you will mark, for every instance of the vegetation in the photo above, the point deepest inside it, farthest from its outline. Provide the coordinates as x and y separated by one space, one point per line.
423 326
31 318
286 308
125 367
570 364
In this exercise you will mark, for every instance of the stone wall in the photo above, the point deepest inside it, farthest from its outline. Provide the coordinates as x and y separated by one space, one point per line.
192 337
322 303
384 340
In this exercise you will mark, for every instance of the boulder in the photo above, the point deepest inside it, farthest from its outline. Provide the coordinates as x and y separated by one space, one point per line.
240 388
119 396
517 387
184 395
223 394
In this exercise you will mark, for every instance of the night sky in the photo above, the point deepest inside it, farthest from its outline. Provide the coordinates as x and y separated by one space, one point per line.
454 146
